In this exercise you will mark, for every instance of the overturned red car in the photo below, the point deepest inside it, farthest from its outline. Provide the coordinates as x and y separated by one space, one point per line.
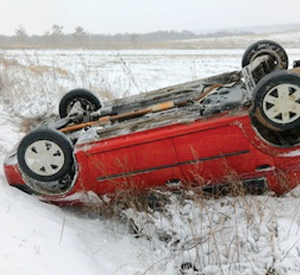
242 125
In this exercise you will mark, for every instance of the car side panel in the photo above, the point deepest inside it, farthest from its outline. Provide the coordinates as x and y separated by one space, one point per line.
140 165
188 153
219 153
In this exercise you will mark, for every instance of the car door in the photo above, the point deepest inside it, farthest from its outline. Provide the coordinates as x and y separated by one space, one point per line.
140 160
219 153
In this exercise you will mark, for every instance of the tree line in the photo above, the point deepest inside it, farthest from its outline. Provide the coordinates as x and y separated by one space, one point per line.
56 38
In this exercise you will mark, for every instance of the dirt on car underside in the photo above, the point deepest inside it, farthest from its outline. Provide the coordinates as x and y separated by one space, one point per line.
193 93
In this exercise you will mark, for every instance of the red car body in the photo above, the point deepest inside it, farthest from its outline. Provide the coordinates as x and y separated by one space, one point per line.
205 152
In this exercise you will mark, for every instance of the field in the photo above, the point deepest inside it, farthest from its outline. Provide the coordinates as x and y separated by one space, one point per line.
189 235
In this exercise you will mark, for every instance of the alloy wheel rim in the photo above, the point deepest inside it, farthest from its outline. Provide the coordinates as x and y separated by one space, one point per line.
44 157
281 104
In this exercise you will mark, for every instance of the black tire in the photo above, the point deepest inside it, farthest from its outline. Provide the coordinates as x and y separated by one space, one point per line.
45 155
89 102
277 101
269 47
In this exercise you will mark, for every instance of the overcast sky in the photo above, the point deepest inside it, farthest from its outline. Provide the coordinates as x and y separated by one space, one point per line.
142 16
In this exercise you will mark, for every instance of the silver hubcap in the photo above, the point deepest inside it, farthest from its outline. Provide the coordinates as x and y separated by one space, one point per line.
282 103
44 157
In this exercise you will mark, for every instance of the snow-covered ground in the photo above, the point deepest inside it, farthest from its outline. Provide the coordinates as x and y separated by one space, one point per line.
230 235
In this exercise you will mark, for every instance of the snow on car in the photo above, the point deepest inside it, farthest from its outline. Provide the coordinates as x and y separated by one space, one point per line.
243 124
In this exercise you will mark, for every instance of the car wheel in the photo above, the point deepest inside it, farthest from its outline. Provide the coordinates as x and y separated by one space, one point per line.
88 101
45 155
277 101
271 48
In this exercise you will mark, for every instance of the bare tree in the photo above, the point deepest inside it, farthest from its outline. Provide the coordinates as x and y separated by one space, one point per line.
21 34
57 30
57 34
80 35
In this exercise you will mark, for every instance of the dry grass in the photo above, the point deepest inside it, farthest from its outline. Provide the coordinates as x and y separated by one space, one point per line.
32 92
204 233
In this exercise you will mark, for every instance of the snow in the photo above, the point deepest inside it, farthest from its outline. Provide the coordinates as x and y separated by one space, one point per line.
37 238
190 235
41 239
294 153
